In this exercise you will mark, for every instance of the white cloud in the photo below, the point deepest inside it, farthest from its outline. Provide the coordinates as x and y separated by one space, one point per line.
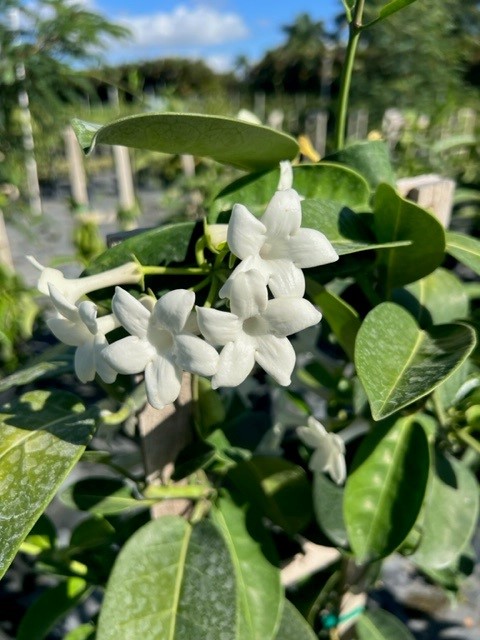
186 27
220 63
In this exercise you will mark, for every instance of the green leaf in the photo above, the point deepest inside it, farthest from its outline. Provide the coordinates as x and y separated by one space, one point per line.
385 491
342 318
159 246
438 298
259 592
45 369
381 625
322 181
328 508
465 249
92 532
390 8
171 580
50 607
398 363
101 495
371 159
451 513
294 625
44 433
398 219
226 140
42 536
83 632
278 488
345 229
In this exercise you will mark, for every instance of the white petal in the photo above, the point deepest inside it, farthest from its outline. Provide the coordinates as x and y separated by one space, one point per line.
286 176
320 459
290 315
131 313
84 361
236 361
308 436
310 248
57 279
246 234
286 279
129 355
277 357
283 214
88 313
104 370
62 304
218 327
71 333
162 381
173 309
195 355
252 262
248 294
337 468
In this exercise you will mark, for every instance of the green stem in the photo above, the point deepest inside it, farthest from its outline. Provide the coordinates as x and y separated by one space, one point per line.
354 30
176 271
188 492
439 410
467 439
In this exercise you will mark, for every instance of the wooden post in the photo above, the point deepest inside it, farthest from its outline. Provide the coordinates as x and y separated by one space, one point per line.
76 169
432 192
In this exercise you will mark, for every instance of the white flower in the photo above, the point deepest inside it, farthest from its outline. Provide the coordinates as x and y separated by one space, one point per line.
72 289
275 244
255 331
160 344
329 455
78 326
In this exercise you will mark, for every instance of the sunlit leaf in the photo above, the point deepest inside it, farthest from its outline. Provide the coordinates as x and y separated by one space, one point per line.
370 159
242 144
387 10
465 249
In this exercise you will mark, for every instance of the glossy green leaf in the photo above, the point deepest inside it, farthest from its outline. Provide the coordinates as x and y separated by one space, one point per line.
381 625
387 10
385 490
342 318
371 159
278 488
398 219
328 508
446 393
42 536
44 433
398 363
101 495
159 246
259 592
322 181
293 625
92 532
438 298
345 229
465 249
451 513
50 607
171 580
60 363
229 141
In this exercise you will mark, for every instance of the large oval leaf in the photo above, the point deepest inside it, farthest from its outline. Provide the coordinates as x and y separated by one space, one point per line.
385 491
398 219
241 144
171 581
259 592
451 513
381 625
322 181
465 249
44 433
438 298
398 363
328 508
370 159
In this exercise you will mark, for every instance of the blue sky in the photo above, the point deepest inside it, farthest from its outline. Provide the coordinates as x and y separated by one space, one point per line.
214 30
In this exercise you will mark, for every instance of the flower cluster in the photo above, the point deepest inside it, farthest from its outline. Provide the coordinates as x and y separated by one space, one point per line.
265 298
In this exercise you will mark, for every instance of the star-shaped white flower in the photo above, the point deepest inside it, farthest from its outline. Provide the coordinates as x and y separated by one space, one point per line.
72 289
161 344
78 326
255 331
329 454
276 245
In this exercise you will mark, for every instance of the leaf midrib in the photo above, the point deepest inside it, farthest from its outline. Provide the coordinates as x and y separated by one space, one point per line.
178 582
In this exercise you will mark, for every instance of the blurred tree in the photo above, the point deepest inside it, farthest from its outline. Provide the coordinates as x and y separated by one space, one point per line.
418 57
48 40
295 66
